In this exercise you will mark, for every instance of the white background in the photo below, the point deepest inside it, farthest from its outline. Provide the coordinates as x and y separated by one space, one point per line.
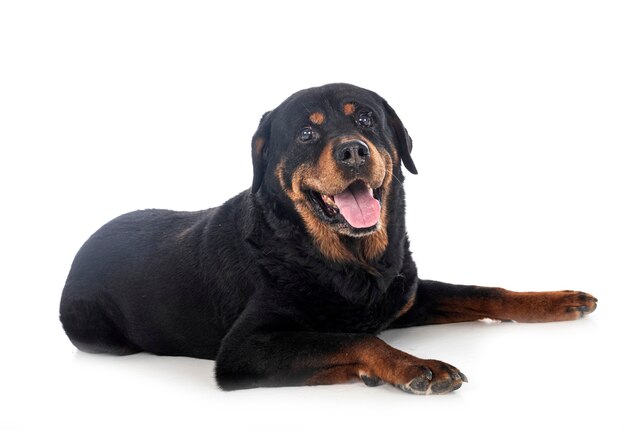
517 111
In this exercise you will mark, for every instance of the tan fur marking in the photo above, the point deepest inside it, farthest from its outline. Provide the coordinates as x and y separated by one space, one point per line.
334 375
394 155
374 358
317 118
510 305
328 241
374 245
259 142
408 305
326 177
280 175
348 109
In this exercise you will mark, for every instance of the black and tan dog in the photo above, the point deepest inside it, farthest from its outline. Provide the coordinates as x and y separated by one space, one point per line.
289 282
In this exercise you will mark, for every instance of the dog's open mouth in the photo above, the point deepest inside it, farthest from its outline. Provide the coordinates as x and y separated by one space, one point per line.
358 204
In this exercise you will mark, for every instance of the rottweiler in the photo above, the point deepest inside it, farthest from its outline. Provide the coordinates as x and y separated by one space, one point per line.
289 282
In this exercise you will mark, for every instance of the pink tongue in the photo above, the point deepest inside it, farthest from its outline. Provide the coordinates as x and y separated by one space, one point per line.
357 206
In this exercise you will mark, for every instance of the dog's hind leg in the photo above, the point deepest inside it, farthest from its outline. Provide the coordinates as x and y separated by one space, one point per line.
90 329
438 303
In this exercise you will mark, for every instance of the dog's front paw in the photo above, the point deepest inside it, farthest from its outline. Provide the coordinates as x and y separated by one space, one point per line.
569 305
416 376
380 363
434 377
578 304
550 306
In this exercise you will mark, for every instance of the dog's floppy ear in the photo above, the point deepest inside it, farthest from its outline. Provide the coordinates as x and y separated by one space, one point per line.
405 143
259 150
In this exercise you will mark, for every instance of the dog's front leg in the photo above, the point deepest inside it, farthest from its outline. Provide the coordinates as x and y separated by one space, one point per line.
264 355
438 303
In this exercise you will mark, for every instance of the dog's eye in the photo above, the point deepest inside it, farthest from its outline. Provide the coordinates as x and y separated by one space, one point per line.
365 119
306 134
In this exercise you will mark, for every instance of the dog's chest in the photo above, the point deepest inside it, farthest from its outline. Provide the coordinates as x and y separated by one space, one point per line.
334 312
350 319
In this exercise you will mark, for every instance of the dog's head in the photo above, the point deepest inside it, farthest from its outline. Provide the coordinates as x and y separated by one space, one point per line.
334 152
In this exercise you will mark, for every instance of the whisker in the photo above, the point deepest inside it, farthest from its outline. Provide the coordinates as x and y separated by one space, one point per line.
396 178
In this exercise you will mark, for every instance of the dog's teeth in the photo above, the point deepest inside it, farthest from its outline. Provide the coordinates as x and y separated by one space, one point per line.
328 200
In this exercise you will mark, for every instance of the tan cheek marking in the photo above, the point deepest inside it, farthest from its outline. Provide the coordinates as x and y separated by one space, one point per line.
348 109
377 163
374 245
325 176
280 175
317 118
294 193
327 241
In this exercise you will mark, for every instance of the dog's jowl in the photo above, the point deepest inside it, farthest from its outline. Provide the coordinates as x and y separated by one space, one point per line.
289 282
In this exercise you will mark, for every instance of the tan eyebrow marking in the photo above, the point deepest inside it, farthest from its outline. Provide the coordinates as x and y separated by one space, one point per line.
317 118
348 108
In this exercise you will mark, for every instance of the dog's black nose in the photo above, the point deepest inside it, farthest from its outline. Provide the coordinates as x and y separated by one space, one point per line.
353 153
